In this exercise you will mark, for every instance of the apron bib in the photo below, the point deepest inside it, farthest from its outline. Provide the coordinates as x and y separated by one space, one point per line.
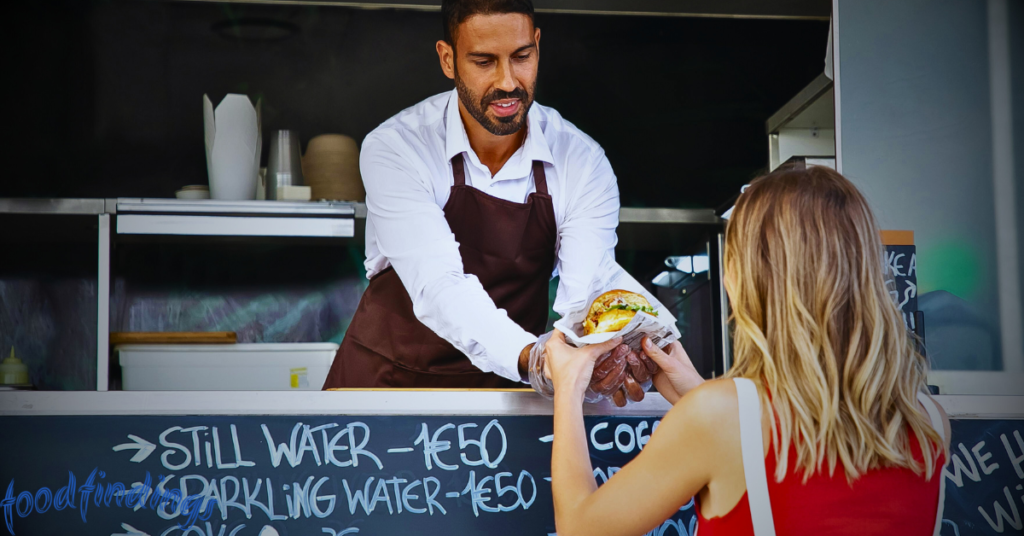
509 247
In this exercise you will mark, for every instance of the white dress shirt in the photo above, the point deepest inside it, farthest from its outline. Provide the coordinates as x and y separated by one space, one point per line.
406 169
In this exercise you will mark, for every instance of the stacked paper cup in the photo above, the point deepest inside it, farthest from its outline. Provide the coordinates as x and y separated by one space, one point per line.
331 168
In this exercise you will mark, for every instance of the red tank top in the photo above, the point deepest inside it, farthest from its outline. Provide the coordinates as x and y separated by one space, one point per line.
882 501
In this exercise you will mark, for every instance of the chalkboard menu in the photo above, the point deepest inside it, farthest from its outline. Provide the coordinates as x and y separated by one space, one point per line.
381 475
276 475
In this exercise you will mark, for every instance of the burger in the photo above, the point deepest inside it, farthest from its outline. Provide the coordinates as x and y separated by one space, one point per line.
614 309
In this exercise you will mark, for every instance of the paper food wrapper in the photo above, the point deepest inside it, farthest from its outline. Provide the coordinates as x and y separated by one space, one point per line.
233 145
661 329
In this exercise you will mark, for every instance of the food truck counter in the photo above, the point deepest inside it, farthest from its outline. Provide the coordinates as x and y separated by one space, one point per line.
371 461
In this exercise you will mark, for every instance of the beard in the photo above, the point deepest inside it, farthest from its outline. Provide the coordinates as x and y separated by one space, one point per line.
478 106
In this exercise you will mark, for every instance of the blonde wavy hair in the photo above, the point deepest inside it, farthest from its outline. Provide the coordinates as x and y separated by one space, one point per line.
814 321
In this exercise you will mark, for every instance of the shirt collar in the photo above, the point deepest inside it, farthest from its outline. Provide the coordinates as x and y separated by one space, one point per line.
535 147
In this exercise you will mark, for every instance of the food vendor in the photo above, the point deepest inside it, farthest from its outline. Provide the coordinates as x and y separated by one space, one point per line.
475 198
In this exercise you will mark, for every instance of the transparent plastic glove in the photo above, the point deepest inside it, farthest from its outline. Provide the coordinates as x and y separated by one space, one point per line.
639 376
611 372
538 379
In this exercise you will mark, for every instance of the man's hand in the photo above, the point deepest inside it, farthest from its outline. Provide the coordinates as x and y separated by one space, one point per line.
610 371
524 362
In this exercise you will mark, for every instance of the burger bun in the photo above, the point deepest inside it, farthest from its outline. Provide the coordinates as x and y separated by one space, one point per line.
613 310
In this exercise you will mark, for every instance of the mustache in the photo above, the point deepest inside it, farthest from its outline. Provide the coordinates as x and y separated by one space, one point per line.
500 94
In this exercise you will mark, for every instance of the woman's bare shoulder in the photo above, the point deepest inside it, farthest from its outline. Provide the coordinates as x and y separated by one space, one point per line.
710 409
711 400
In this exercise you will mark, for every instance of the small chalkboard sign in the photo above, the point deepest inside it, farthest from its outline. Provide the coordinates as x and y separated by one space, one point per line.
901 275
985 479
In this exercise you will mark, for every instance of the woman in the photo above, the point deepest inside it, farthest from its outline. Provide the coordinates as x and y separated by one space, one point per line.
835 427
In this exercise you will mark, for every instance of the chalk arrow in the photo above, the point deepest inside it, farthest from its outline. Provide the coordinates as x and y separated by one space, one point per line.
909 292
145 448
130 531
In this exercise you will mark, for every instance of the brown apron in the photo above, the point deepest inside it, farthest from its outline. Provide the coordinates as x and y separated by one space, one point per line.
509 247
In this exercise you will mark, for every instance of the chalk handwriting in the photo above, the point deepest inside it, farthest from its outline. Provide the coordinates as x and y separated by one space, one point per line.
1015 460
432 446
196 530
303 441
481 444
625 438
143 448
961 469
204 439
972 466
209 480
1012 517
330 532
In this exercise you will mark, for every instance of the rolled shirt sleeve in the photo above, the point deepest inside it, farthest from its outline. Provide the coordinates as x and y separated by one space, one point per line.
411 231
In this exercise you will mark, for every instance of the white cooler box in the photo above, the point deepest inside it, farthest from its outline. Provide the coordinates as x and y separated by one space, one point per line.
225 367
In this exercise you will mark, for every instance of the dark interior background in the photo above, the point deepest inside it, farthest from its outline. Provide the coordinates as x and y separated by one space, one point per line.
104 100
105 97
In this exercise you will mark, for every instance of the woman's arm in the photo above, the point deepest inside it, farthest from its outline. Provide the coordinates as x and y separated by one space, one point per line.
572 476
691 441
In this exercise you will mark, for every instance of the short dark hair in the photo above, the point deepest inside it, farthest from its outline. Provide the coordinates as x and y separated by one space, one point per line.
455 12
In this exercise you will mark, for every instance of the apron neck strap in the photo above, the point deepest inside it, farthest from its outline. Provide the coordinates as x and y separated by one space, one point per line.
539 179
459 170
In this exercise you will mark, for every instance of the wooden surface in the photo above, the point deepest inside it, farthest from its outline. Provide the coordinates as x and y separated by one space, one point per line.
173 337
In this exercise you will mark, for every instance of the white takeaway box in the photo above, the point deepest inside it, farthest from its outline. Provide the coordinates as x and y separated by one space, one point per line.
225 367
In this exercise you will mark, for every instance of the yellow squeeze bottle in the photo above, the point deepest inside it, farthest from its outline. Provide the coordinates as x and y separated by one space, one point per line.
13 371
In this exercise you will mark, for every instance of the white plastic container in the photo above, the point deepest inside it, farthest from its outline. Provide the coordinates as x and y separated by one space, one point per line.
225 367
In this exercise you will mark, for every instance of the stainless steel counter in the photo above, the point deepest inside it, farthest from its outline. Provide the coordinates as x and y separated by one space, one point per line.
348 402
380 402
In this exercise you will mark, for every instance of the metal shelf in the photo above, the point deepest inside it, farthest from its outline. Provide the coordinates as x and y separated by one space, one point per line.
628 215
88 207
240 208
203 225
698 216
176 217
336 209
325 219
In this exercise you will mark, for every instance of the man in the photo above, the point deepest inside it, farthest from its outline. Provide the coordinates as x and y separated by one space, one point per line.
473 198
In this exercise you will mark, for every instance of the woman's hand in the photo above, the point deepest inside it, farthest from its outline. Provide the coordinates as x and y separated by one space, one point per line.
570 368
677 375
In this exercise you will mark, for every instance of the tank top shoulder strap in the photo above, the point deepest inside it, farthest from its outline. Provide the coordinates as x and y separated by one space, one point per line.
933 414
752 447
540 180
937 424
